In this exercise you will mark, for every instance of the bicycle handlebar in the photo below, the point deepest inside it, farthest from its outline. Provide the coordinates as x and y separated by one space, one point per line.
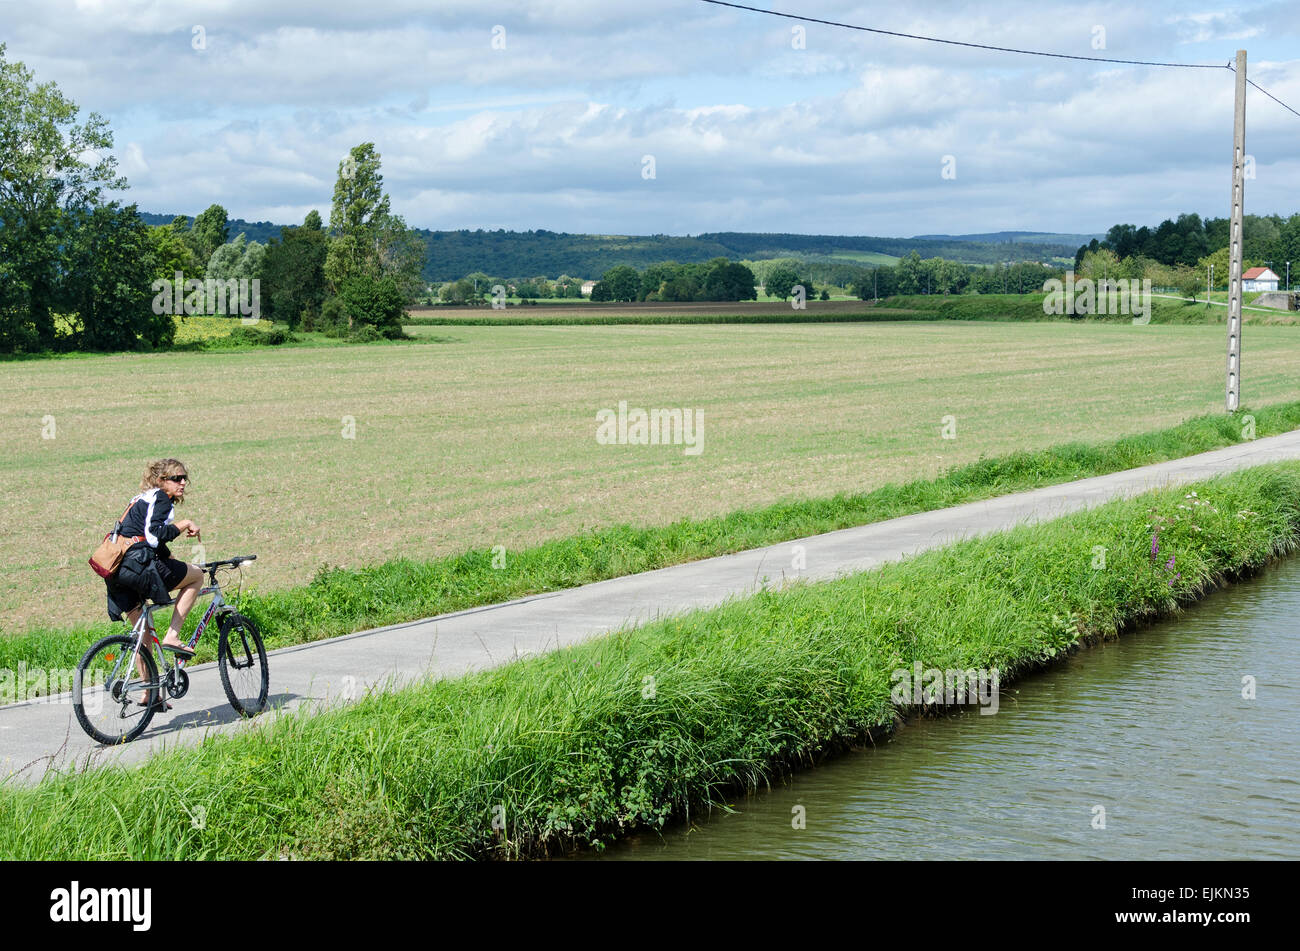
238 560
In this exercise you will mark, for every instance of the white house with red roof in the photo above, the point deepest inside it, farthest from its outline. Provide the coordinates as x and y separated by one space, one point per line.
1259 279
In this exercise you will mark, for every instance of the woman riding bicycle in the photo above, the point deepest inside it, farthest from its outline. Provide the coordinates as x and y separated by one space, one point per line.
150 518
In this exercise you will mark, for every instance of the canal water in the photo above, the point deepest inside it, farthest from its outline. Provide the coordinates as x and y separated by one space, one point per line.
1149 735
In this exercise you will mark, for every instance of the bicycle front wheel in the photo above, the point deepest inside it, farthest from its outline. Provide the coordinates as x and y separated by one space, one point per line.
109 682
241 659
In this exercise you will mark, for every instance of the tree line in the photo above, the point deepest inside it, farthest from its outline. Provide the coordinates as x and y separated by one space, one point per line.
721 279
916 275
79 271
1179 251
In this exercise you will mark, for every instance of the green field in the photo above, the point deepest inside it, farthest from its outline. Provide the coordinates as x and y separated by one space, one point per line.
488 437
866 257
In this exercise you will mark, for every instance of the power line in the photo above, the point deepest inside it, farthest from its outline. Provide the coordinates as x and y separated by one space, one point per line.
999 49
978 46
1271 96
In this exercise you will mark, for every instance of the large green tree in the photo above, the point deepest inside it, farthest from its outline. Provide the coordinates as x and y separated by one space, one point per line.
620 283
211 229
375 302
730 282
51 168
293 279
366 238
683 287
402 253
780 282
911 275
654 277
172 252
356 217
105 291
239 259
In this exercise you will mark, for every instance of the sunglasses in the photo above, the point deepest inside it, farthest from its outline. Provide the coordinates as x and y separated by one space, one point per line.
176 478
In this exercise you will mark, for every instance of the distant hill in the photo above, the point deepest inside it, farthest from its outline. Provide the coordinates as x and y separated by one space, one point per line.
259 231
453 254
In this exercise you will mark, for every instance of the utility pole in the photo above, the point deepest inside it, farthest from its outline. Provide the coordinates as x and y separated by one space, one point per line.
1234 234
1209 286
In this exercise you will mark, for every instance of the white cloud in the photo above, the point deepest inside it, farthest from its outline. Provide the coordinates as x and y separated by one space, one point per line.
846 135
133 162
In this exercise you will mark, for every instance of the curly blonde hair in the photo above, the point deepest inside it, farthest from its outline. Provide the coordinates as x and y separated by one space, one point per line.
155 471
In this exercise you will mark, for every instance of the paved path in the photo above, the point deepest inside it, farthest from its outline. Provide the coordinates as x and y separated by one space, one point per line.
38 733
1258 310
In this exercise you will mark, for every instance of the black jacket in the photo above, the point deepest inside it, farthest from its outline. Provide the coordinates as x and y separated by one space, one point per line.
150 517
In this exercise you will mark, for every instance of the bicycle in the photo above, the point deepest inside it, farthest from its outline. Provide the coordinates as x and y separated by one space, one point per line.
117 670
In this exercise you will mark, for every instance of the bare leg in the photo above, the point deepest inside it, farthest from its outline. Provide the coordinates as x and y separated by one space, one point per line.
189 593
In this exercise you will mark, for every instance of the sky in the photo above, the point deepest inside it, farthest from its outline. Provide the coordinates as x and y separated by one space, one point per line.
680 116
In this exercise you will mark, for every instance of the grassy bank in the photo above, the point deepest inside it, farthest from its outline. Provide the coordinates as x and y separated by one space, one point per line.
636 729
340 601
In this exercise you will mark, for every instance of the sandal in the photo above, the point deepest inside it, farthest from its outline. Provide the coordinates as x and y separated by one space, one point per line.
161 705
184 653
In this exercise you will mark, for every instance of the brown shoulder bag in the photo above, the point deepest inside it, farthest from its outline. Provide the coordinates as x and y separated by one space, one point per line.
108 556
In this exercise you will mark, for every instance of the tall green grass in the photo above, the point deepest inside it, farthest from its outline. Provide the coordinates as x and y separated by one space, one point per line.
339 601
639 728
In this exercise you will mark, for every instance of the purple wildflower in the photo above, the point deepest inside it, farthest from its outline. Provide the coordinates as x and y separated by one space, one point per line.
1170 563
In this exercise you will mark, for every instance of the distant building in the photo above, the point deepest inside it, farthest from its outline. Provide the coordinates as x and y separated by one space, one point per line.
1259 279
588 285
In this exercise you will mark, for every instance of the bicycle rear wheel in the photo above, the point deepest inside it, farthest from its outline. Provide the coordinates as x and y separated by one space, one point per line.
241 659
107 686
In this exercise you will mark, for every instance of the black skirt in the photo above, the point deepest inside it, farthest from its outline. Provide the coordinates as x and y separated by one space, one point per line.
149 582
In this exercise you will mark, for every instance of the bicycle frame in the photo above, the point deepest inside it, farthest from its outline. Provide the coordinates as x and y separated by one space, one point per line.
122 667
146 635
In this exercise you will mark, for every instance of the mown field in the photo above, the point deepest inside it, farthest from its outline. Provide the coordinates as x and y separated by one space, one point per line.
487 437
